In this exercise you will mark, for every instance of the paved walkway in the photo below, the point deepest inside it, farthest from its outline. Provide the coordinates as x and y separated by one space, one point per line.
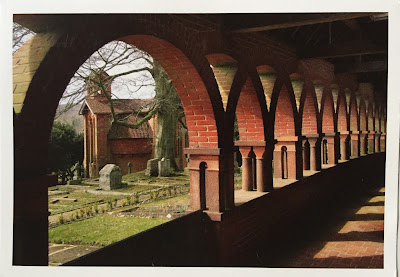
349 238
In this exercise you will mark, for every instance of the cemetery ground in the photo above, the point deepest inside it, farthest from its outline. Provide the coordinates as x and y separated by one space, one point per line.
84 218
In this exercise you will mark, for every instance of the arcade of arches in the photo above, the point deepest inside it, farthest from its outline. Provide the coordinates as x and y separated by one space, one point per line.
295 112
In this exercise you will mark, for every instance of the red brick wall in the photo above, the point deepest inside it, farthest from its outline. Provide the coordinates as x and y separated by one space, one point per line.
248 113
342 114
353 115
363 117
328 114
309 122
284 119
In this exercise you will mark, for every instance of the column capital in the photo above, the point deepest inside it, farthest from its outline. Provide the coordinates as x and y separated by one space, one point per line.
250 143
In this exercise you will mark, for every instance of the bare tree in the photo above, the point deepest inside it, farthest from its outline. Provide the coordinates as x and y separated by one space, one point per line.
130 71
20 36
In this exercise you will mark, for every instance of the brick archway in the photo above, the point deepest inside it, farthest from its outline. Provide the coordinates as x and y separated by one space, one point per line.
202 129
46 83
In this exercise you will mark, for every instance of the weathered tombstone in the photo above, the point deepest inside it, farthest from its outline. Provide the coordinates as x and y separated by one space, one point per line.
77 179
152 167
129 167
163 167
110 177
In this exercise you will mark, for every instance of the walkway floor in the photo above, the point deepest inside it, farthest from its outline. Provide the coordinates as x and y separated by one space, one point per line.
346 237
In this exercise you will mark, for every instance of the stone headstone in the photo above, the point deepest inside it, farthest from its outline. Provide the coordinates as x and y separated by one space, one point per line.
152 167
77 179
129 167
164 167
110 177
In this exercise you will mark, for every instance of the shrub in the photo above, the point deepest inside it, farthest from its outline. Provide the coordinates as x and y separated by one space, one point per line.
96 209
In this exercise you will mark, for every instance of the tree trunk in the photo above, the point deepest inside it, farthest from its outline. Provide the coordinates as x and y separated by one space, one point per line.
167 116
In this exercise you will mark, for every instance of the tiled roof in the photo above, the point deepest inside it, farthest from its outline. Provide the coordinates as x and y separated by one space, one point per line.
100 105
121 132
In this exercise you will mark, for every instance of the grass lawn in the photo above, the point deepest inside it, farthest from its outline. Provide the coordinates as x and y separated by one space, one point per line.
176 178
175 201
134 188
83 198
101 230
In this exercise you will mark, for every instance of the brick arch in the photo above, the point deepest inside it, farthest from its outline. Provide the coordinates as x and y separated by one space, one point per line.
308 110
327 112
224 68
283 109
342 113
249 115
83 44
353 116
189 85
267 76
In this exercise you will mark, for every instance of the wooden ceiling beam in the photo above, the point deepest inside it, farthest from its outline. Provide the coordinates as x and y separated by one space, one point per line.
364 67
345 49
280 21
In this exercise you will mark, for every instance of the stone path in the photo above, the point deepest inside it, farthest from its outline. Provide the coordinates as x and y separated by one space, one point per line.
62 253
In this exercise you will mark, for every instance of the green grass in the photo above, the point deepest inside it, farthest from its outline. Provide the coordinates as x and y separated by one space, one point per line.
134 188
101 230
177 178
83 198
175 201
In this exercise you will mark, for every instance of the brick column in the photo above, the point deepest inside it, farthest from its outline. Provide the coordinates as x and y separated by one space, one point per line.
343 145
371 142
383 142
292 163
377 142
247 168
355 139
330 138
363 143
214 195
313 155
263 178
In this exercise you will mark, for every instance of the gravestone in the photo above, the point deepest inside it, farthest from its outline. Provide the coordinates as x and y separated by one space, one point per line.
129 167
164 167
77 179
152 167
110 177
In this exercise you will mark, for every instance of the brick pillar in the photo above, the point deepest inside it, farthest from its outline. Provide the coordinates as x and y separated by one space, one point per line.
247 168
216 192
292 162
383 142
313 155
377 142
332 157
263 182
31 220
355 139
371 142
363 143
343 145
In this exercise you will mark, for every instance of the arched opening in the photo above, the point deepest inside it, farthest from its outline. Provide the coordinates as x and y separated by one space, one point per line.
325 151
202 183
284 162
306 155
